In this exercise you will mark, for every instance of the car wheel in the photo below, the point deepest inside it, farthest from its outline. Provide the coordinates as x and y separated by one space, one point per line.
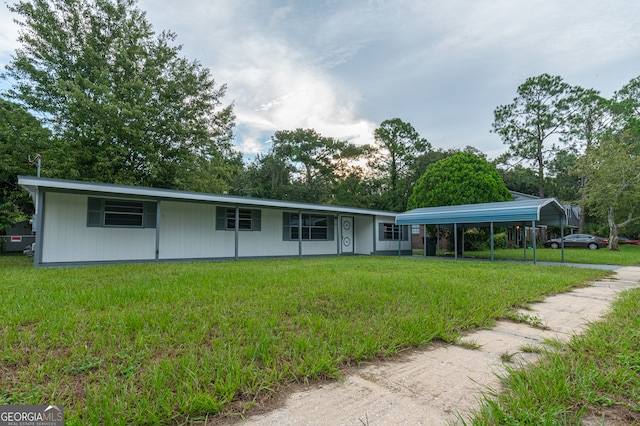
593 246
554 245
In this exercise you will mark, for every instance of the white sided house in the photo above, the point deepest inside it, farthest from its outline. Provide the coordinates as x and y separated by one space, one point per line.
82 222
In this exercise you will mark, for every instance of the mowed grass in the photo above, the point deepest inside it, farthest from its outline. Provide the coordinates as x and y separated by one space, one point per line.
628 255
177 343
594 379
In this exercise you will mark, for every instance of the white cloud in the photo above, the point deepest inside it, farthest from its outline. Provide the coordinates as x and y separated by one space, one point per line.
343 67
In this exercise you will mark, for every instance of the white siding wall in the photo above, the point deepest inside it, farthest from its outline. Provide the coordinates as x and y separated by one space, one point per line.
363 234
67 238
390 245
188 231
267 242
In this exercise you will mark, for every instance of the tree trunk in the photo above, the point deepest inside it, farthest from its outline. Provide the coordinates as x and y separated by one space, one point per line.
581 220
583 206
613 230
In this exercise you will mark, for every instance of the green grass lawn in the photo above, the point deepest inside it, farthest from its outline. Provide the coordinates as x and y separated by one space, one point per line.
628 255
170 343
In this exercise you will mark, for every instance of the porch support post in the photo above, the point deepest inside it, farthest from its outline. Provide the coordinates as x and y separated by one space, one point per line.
299 233
237 232
157 230
524 241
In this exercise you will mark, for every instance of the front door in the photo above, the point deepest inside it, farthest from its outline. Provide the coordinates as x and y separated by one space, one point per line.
347 234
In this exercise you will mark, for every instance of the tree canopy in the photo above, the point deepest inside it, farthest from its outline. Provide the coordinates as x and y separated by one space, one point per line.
528 125
612 191
123 106
399 146
463 178
21 136
303 165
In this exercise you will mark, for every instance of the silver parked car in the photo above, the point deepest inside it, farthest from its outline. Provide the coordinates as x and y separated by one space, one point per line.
578 240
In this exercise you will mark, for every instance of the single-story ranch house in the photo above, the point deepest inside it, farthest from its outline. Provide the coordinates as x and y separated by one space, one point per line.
82 222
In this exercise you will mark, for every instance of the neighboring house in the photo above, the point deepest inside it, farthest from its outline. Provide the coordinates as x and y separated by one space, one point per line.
18 237
82 222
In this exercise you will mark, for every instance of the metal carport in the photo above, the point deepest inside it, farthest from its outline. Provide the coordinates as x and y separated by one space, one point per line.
543 211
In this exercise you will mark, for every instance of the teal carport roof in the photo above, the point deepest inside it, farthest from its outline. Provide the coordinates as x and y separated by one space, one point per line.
543 211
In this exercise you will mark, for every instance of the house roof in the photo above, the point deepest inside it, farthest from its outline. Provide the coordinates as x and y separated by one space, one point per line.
544 211
35 184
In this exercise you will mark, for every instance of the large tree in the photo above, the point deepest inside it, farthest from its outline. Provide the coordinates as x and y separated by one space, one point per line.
398 146
535 121
125 107
590 119
464 178
612 190
21 136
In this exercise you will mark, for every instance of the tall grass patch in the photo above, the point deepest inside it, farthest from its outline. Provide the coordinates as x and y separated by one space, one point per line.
628 255
163 343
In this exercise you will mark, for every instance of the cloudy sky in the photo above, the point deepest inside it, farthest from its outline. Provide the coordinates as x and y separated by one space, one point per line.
344 66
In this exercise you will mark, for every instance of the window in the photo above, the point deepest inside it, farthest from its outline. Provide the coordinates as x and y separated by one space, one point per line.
248 219
393 232
314 227
104 212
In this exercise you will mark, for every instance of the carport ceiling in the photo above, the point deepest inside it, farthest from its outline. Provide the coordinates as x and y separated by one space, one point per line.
543 211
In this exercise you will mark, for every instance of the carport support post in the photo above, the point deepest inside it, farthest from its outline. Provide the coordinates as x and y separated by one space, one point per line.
455 240
562 240
524 241
424 240
533 239
491 239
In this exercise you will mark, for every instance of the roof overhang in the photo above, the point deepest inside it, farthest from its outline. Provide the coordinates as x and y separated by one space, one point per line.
36 184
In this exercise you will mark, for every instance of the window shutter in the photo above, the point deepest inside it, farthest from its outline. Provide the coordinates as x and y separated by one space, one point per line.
256 219
150 209
286 226
94 212
221 218
330 227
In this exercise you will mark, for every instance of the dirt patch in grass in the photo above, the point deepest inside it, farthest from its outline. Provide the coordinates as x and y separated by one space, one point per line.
618 415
